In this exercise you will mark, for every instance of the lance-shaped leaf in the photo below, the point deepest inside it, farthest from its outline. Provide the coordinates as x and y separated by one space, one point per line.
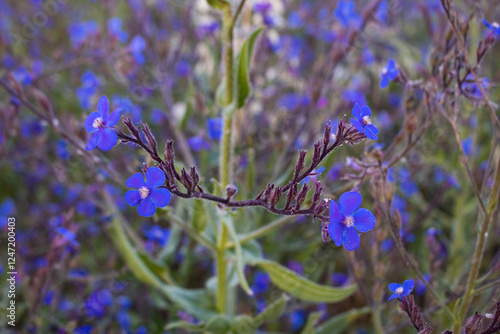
339 323
218 4
301 287
312 319
243 87
246 324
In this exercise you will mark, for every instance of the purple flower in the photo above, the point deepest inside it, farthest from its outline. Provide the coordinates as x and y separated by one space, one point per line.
389 72
493 26
401 291
214 127
345 219
148 195
99 123
362 121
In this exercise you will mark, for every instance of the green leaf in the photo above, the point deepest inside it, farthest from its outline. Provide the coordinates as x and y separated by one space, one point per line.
220 94
218 324
243 88
156 267
240 266
185 325
218 4
312 319
195 302
246 324
301 287
199 218
339 323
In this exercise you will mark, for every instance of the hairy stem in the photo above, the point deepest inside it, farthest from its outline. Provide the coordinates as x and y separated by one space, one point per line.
478 253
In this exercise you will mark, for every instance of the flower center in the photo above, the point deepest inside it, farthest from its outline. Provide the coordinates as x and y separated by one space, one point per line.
399 290
366 120
384 70
98 123
144 192
495 25
348 221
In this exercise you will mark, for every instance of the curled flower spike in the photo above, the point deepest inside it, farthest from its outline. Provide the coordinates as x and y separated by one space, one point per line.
363 123
493 26
99 123
148 195
401 291
345 219
389 72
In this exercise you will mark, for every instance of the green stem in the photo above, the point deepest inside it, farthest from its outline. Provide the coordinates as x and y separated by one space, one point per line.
226 154
478 253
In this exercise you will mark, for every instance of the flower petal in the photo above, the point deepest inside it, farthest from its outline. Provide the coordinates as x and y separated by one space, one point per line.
365 111
132 197
357 124
89 122
394 286
146 208
486 23
351 240
136 181
369 134
160 197
385 81
391 64
394 296
393 73
336 231
114 117
107 139
372 128
355 111
93 141
350 202
364 220
103 107
335 215
154 177
408 287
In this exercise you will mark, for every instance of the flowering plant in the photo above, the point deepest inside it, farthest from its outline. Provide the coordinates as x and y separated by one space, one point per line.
209 166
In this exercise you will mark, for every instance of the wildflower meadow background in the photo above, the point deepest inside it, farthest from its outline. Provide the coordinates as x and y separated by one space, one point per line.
249 166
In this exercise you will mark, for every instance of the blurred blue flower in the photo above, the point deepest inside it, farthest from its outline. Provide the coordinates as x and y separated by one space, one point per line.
89 86
468 145
420 287
362 121
115 29
198 143
148 195
31 128
23 76
99 123
345 219
292 101
295 20
134 110
297 319
68 236
494 26
339 279
401 291
80 31
389 73
354 96
136 46
7 209
157 234
470 86
62 150
84 329
261 282
214 128
346 14
207 29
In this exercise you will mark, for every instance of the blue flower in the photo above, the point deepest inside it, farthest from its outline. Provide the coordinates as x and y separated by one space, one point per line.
115 29
136 46
362 121
346 14
68 236
401 291
345 219
214 128
99 123
148 195
389 72
493 26
198 143
7 208
80 31
62 150
90 83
